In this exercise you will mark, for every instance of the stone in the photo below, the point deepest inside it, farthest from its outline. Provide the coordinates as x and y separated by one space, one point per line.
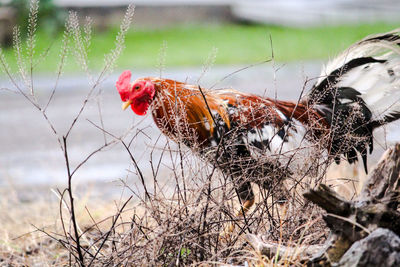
380 248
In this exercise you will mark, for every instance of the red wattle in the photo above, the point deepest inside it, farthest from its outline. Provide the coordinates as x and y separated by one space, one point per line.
140 107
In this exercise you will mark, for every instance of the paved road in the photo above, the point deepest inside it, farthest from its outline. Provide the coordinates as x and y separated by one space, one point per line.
30 155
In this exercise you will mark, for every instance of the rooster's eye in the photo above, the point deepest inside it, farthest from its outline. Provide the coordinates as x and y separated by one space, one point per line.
137 87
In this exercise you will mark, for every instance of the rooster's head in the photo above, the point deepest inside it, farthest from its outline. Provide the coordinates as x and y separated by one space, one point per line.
138 94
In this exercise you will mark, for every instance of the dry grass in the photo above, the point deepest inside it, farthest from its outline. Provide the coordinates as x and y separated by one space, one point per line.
166 230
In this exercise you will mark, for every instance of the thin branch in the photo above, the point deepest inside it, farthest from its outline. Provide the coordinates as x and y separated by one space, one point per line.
239 70
71 197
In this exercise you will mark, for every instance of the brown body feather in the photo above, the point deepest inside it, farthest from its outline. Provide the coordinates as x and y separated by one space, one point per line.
182 112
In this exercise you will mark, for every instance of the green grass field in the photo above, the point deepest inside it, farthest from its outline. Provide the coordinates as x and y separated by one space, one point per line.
192 44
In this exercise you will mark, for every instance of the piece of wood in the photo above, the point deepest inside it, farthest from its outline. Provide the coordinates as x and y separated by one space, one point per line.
349 221
383 183
271 249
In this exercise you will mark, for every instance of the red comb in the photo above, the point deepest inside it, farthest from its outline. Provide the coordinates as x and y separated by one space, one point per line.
123 84
123 81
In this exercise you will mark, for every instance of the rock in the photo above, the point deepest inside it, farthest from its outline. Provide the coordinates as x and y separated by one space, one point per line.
380 248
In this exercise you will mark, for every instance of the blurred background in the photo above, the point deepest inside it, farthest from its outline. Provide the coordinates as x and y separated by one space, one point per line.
176 38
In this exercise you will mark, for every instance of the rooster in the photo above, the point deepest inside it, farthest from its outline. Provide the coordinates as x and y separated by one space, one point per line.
256 139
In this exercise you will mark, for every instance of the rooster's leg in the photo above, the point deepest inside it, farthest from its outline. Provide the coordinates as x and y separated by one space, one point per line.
246 197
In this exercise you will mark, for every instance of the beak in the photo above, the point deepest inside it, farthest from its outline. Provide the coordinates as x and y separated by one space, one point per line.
126 104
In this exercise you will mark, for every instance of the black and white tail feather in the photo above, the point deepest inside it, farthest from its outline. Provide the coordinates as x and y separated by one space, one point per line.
359 91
